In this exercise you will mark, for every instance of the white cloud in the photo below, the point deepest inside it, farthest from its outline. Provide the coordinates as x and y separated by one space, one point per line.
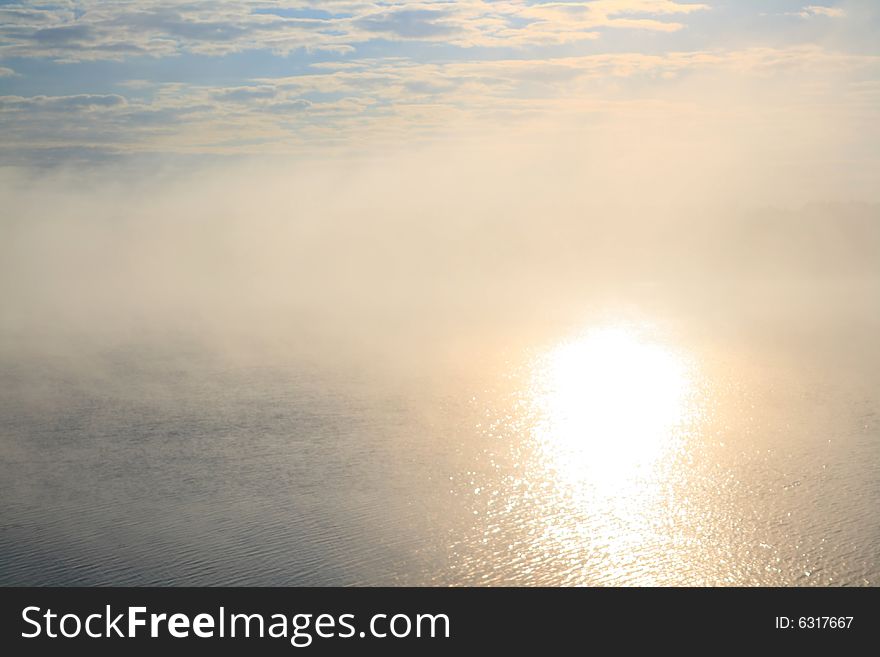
817 10
61 103
98 29
397 99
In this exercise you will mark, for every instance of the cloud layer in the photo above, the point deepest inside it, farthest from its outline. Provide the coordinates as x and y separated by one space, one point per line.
97 29
96 79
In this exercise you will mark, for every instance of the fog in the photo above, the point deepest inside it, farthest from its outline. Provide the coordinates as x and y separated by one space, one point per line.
444 250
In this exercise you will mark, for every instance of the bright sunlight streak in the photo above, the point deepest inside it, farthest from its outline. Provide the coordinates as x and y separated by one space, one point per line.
611 403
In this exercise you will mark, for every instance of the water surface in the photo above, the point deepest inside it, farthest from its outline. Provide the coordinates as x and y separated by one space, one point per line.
616 451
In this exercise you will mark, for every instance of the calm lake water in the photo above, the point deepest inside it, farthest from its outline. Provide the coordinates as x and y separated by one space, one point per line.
615 452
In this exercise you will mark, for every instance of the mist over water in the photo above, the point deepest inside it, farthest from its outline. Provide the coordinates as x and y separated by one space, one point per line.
443 368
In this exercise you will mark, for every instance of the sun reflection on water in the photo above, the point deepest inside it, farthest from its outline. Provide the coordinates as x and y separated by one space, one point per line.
632 455
586 470
610 404
613 410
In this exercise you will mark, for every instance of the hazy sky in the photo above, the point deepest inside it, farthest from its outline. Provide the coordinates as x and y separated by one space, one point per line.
389 169
91 78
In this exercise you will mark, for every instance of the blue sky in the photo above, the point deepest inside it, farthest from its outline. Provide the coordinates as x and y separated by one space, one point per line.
237 76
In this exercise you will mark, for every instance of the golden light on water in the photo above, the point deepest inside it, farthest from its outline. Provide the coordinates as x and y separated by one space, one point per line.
611 403
611 411
632 454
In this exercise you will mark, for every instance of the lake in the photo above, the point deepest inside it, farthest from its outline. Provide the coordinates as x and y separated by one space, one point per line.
622 450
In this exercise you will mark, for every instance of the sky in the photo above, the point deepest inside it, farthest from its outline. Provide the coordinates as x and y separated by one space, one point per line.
390 170
86 80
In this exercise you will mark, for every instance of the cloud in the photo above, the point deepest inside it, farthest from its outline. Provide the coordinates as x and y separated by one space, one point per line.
63 35
410 23
61 103
361 104
245 94
817 10
116 30
391 93
299 105
565 20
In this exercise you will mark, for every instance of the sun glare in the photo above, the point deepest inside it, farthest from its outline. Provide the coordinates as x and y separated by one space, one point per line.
610 404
